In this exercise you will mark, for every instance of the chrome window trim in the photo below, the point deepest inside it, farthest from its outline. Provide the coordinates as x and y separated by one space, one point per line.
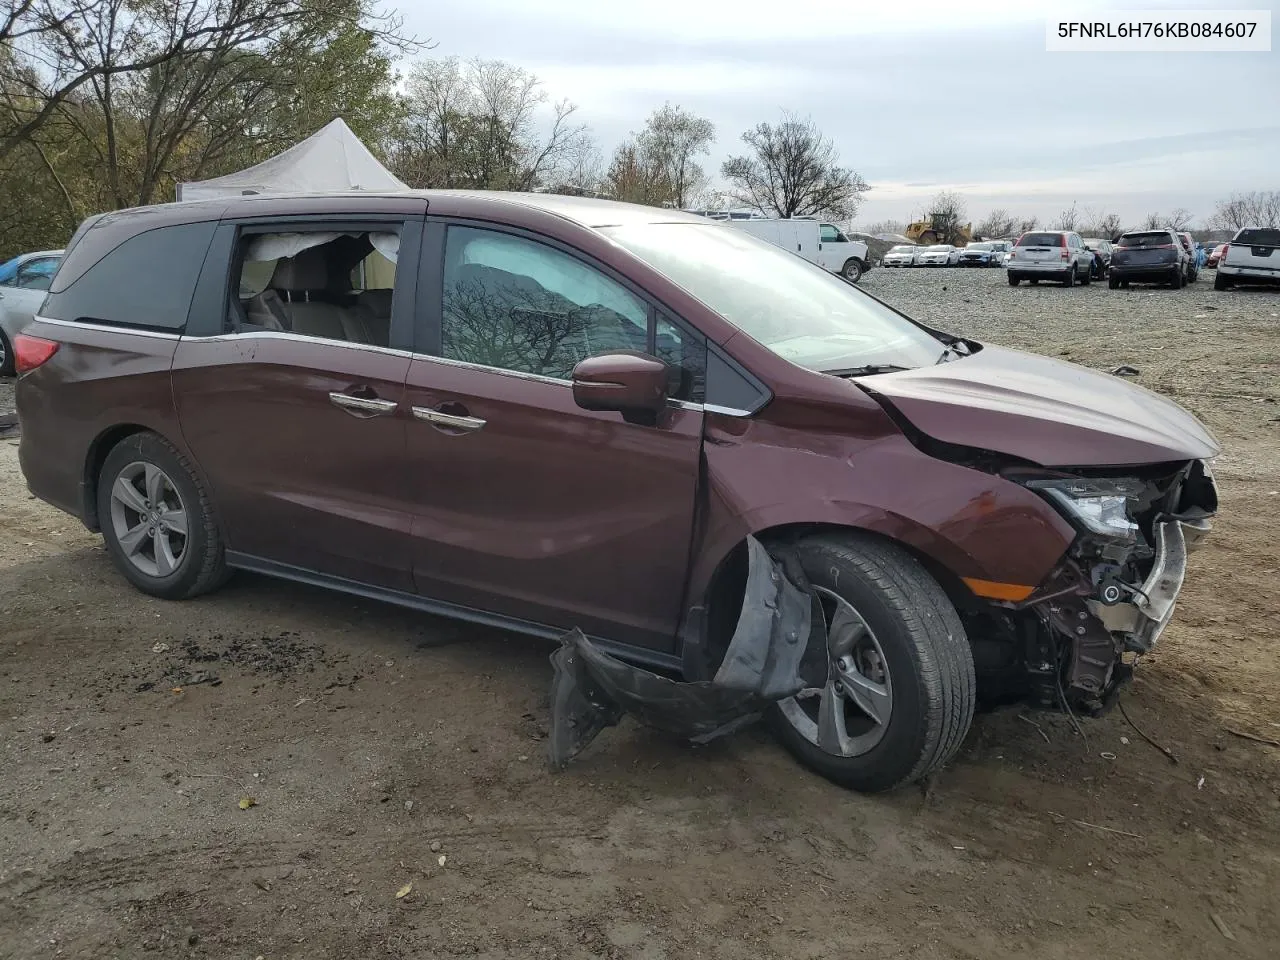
292 337
105 328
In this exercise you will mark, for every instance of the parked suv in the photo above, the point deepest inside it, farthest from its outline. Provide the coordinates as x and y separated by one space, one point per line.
1192 265
544 413
1252 256
1044 255
1155 256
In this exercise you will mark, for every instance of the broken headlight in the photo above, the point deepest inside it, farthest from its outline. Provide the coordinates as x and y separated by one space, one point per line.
1099 505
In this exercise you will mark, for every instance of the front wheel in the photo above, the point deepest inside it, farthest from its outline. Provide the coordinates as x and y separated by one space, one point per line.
157 519
891 697
852 270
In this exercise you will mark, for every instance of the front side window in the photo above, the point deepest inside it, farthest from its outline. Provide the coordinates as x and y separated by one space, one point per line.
795 308
832 234
329 284
521 305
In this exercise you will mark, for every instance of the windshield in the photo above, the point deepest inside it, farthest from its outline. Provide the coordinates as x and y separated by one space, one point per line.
901 250
977 246
941 248
798 310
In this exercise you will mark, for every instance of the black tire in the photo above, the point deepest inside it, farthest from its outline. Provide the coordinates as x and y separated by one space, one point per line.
1070 279
1113 282
202 566
1013 279
1087 277
1220 282
929 662
852 270
6 356
1034 282
1177 279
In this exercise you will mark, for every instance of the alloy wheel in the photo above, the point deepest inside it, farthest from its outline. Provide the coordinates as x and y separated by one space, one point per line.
149 519
847 712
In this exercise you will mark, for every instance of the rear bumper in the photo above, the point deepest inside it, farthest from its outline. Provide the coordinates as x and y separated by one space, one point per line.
1139 271
1054 268
1264 274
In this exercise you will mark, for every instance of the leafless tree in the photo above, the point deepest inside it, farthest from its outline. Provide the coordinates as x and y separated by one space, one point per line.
673 139
884 226
1068 219
1107 226
483 123
1179 219
1257 208
1153 221
793 170
1026 224
998 223
946 212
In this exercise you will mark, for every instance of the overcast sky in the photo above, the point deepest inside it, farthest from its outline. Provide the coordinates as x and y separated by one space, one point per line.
918 96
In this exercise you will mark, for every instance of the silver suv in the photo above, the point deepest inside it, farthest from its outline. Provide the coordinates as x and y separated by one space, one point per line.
1049 255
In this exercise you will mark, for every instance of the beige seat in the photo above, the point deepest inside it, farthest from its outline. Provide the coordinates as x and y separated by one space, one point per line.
296 279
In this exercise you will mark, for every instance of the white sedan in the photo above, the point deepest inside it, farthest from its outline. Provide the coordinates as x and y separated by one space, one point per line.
941 255
903 255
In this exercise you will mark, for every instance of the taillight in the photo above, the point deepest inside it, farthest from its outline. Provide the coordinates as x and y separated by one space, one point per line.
30 352
1225 250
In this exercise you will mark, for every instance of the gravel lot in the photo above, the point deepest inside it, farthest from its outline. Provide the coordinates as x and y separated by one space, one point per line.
385 748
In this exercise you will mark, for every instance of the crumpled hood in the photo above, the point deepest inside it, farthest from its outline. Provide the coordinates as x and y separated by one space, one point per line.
1052 413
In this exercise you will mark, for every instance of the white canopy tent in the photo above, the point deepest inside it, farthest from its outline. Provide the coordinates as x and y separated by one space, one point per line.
330 160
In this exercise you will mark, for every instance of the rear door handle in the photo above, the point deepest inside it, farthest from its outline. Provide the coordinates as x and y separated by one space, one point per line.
452 420
369 405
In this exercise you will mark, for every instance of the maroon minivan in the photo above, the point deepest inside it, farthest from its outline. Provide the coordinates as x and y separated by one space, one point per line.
544 412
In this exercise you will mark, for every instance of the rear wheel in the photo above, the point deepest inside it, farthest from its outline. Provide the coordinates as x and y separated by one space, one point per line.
1113 282
1034 282
157 520
1176 279
891 697
1070 279
1014 279
6 356
1220 282
1086 277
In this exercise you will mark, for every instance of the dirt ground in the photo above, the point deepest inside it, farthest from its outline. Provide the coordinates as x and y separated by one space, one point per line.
384 748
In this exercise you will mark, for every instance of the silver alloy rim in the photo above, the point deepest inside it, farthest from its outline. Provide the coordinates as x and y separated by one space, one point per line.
849 714
149 519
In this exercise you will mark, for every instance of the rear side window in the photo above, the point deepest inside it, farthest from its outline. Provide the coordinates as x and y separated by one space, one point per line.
147 281
1153 239
1259 238
1041 240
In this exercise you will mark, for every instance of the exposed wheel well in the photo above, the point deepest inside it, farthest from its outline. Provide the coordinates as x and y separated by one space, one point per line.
723 598
98 450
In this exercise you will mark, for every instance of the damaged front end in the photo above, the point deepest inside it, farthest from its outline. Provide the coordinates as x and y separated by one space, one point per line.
1114 593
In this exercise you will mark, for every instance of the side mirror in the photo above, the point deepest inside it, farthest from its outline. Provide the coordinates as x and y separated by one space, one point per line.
631 383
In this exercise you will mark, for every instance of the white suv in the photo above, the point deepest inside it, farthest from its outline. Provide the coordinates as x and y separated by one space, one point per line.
1049 255
1252 256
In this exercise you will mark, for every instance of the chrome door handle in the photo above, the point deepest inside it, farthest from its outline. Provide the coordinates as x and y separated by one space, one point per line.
448 419
362 404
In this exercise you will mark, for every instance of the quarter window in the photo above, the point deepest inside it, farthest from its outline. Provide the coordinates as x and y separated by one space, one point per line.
520 305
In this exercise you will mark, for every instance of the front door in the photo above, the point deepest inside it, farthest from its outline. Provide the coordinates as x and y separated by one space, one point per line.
295 411
525 504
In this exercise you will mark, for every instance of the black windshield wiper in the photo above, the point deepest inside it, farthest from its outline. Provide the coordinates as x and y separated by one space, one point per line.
865 370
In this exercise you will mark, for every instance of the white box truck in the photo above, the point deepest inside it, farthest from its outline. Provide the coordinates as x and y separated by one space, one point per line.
818 242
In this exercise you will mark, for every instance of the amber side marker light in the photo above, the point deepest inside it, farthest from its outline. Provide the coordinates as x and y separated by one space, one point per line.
30 352
998 591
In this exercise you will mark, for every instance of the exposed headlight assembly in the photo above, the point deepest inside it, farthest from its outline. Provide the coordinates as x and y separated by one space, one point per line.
1100 505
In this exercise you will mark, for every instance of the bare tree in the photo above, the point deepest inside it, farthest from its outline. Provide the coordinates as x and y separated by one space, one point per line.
884 226
1257 208
1153 221
673 138
793 170
60 52
1179 219
483 123
998 223
1107 226
1026 224
1068 219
